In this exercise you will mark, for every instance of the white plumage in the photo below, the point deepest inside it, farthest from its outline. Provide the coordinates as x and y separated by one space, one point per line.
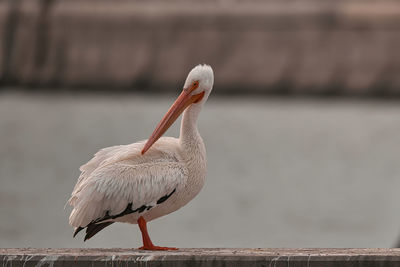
140 182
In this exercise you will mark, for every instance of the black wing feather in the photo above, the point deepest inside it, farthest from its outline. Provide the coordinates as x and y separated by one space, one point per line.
97 225
93 229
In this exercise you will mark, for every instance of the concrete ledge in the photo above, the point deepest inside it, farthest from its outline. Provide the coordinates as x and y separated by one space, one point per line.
200 257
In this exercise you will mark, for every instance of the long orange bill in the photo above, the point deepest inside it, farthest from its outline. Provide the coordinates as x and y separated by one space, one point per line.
180 104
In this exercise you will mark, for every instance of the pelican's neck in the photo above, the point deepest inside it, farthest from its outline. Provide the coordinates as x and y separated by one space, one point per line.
190 138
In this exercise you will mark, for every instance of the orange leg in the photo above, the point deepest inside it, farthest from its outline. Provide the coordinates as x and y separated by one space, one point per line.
147 244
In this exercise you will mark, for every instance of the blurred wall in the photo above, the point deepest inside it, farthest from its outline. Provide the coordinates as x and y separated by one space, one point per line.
325 47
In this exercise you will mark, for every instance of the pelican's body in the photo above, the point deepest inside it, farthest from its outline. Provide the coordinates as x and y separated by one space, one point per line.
142 181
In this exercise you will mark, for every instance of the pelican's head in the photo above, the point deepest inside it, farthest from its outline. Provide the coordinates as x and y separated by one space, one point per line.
197 88
200 79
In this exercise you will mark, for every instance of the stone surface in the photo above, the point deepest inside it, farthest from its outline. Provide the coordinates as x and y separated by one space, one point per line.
308 46
201 257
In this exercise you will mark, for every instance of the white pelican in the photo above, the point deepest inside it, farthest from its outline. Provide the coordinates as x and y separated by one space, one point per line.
140 182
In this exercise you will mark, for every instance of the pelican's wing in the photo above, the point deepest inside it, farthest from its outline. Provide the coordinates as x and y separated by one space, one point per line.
164 150
95 162
118 189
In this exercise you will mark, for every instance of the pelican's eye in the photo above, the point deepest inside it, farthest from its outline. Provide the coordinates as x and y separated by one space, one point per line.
193 86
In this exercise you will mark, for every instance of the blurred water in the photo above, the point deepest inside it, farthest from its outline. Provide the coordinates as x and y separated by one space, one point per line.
281 173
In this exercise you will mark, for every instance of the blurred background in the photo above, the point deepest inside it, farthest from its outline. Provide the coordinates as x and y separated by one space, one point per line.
302 127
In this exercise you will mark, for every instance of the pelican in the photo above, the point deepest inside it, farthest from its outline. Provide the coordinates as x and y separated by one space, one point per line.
140 182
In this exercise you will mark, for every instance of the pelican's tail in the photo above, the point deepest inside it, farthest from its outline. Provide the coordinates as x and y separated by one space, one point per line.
92 229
